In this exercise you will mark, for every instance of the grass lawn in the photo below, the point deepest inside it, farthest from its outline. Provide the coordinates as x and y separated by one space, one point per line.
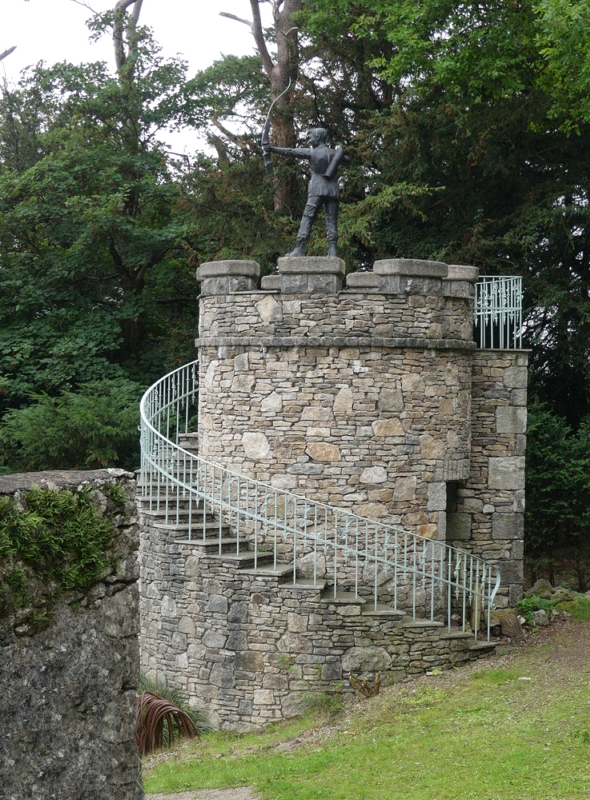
481 734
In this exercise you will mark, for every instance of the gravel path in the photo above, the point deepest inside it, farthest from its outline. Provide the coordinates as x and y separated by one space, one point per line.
242 793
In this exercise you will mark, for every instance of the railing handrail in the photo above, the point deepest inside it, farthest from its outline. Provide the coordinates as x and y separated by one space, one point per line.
497 312
166 459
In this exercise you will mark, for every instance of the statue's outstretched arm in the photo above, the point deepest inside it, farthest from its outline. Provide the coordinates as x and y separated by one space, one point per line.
295 152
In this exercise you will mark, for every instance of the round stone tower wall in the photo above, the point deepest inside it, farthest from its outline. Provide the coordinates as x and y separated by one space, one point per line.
359 397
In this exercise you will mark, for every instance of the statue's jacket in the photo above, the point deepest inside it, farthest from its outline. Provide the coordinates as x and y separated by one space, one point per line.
319 160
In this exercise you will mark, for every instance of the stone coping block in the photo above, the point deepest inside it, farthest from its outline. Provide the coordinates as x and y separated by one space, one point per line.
222 269
271 283
459 272
311 265
363 280
411 266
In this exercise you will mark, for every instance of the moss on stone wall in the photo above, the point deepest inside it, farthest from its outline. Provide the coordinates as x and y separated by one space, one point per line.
51 541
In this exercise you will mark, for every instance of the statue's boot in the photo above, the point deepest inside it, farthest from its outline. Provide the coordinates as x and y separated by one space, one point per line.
299 250
333 249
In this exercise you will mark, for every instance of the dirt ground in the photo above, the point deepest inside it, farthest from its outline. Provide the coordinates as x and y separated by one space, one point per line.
569 655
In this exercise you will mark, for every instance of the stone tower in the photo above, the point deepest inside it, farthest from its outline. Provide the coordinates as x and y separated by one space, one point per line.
370 396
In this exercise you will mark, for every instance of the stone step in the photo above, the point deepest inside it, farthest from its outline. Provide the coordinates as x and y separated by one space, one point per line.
210 546
482 647
382 610
305 585
281 571
421 623
180 515
246 560
342 598
195 529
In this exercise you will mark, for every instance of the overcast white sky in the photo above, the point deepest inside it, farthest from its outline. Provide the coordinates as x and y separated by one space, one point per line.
55 30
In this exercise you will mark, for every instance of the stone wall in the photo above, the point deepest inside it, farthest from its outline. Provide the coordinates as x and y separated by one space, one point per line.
67 706
490 506
355 398
249 648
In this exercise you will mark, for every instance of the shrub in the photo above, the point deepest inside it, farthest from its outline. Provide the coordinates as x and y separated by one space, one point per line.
93 427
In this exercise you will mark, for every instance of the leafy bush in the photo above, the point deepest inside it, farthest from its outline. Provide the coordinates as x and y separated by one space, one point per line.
91 428
528 605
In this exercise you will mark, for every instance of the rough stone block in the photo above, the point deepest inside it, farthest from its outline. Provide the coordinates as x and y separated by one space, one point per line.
343 401
458 526
374 475
363 280
507 526
515 377
322 451
506 473
311 265
391 400
405 488
411 266
269 309
388 427
273 403
510 419
437 496
256 445
220 269
460 272
271 283
366 659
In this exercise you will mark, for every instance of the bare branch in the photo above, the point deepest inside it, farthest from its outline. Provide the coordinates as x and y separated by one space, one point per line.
7 52
237 19
84 5
258 34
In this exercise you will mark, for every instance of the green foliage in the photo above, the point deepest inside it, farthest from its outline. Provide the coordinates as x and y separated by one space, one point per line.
558 482
528 605
91 428
579 607
325 702
57 541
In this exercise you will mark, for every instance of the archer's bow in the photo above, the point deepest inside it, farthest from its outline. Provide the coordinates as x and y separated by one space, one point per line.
265 139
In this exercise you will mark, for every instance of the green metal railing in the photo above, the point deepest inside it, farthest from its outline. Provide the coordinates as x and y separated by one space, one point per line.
428 579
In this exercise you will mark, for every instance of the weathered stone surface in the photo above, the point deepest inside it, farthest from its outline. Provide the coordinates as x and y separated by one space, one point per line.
405 488
323 451
292 642
510 419
366 659
411 266
67 706
243 383
391 400
314 265
506 473
370 510
458 526
362 280
273 403
374 475
269 309
283 481
437 496
256 445
507 526
241 363
343 401
515 378
388 427
540 618
219 269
